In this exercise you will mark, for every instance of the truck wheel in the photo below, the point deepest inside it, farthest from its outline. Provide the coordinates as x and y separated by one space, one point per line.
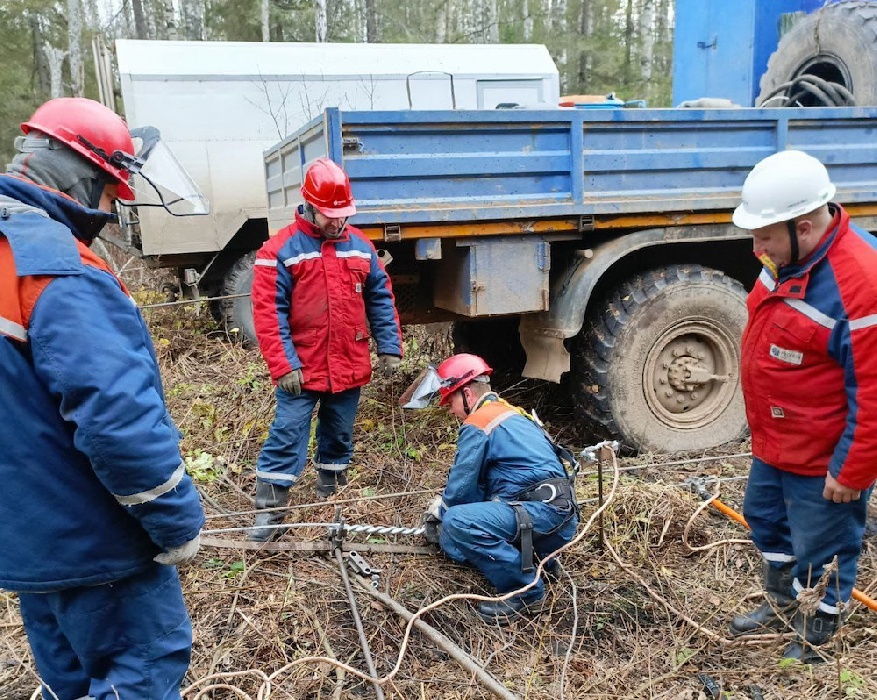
237 313
657 365
837 44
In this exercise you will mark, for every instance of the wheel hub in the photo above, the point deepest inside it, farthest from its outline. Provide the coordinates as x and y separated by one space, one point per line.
688 371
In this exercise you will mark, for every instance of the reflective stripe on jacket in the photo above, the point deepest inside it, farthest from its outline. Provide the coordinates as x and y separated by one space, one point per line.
809 360
93 480
316 303
500 453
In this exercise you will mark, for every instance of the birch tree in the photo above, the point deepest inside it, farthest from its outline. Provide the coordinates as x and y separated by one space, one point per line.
192 19
371 21
647 38
490 18
528 20
266 20
140 28
321 19
74 46
55 61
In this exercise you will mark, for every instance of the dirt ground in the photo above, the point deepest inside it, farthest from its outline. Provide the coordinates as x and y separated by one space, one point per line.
640 608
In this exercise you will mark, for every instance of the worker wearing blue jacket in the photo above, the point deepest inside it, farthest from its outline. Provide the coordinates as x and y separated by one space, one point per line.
507 495
97 508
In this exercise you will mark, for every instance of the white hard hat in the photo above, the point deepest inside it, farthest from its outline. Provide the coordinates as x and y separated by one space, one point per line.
783 187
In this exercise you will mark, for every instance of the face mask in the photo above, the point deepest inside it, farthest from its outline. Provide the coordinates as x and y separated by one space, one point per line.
769 264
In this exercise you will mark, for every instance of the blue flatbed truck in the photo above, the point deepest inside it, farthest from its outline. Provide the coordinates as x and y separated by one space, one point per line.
598 242
603 236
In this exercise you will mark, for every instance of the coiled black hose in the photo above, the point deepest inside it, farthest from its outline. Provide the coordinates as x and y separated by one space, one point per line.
825 93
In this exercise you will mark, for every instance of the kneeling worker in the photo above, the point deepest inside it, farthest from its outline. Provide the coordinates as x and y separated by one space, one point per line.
507 493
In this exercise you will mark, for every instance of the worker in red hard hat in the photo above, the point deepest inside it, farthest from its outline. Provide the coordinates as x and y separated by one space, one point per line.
320 293
508 494
809 358
97 510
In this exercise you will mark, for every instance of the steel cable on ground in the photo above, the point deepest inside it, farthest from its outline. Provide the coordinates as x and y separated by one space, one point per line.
264 691
357 621
403 647
417 492
186 302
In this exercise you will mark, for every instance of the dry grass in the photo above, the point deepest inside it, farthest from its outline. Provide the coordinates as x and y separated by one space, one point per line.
638 618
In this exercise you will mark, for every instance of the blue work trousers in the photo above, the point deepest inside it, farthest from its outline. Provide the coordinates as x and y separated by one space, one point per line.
285 452
483 535
792 522
127 639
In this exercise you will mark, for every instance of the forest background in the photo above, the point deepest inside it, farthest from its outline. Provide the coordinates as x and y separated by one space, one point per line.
599 46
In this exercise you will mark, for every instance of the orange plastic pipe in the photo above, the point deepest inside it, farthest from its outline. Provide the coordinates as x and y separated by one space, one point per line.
863 598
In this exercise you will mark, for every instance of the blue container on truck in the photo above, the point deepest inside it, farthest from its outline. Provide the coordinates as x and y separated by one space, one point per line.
722 49
601 238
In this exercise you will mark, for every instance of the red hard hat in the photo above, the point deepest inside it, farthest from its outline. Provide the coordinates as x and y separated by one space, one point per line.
74 121
327 188
458 371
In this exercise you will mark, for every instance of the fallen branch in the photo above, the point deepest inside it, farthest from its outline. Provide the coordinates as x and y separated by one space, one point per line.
490 683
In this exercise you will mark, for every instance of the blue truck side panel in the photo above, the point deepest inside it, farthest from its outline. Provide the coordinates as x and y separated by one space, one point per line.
477 166
721 48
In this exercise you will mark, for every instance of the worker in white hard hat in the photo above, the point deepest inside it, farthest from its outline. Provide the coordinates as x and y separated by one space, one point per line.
809 358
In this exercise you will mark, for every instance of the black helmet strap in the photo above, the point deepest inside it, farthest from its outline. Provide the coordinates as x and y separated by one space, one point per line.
792 228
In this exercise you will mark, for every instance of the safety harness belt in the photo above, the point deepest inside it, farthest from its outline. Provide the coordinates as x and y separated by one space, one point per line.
555 492
525 535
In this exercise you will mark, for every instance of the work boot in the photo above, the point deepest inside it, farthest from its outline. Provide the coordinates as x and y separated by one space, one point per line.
268 496
813 631
551 567
504 611
328 481
773 613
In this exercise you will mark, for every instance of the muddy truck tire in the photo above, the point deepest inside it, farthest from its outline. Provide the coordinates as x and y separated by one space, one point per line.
237 313
824 56
657 364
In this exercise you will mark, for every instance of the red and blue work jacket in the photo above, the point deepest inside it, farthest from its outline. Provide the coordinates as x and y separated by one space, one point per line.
500 454
809 358
316 303
93 484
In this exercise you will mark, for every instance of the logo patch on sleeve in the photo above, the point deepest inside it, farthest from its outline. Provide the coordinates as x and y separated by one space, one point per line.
792 357
777 412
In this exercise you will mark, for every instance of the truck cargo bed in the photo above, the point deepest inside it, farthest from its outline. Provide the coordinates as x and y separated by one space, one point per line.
455 167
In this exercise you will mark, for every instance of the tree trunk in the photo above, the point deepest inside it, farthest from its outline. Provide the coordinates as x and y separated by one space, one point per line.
445 21
647 38
92 16
74 42
41 63
628 43
321 20
192 16
165 20
55 60
371 21
490 18
140 31
528 21
586 29
266 20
